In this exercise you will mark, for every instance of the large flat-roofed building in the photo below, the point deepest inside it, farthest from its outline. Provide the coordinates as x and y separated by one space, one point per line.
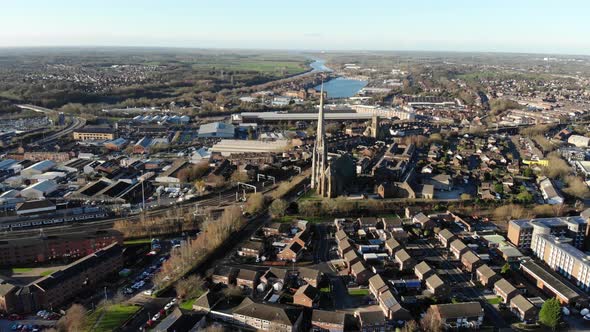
551 284
39 190
94 134
38 168
522 233
217 129
579 141
227 147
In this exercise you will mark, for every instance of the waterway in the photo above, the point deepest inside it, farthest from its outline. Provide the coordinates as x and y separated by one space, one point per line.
339 87
319 66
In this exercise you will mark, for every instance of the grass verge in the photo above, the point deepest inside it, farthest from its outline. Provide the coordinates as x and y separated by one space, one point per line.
358 291
109 318
494 300
137 241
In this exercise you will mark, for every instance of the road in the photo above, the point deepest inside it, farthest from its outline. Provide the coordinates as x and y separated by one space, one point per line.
220 254
77 123
464 285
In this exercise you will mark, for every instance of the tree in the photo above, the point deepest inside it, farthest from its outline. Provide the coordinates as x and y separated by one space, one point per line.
524 197
410 326
528 172
576 187
238 176
189 287
550 313
200 186
431 322
505 269
217 181
557 167
507 212
73 320
278 208
255 203
498 188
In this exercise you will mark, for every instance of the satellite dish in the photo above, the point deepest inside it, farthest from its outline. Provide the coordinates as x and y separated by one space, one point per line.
261 287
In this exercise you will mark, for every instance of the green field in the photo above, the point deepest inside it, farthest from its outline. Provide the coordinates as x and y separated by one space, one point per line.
109 318
358 291
256 63
21 269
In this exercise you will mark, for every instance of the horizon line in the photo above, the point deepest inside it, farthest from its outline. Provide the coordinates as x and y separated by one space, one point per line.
310 50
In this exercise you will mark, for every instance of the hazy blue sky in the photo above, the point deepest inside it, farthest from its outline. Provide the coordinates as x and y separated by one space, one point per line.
516 25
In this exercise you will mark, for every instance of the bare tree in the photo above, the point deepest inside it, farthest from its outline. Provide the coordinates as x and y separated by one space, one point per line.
255 203
189 286
431 322
73 320
238 176
410 326
278 208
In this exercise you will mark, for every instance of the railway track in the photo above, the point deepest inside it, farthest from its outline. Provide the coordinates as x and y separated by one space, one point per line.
220 201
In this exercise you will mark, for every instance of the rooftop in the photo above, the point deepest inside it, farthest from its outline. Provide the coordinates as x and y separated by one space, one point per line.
549 280
271 313
459 310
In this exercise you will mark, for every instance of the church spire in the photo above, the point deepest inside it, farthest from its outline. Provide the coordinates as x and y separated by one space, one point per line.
320 154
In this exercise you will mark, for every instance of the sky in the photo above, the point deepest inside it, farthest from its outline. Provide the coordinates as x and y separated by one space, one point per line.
539 26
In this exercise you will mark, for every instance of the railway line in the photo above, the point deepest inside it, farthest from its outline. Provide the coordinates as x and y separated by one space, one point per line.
199 206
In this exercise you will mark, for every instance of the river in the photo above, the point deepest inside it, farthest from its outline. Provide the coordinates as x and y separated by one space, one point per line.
339 87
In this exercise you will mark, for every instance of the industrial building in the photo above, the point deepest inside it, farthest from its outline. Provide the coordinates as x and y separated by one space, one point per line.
38 168
39 190
217 129
228 147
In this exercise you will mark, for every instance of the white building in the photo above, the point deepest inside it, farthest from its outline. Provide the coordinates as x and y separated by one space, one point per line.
549 192
579 141
217 129
38 168
229 146
39 190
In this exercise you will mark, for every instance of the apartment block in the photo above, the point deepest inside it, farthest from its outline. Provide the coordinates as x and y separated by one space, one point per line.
522 233
564 258
61 286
